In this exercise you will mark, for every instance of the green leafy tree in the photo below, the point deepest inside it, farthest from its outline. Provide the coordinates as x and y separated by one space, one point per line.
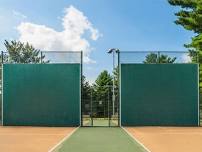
86 96
19 52
155 58
102 88
103 79
86 87
190 17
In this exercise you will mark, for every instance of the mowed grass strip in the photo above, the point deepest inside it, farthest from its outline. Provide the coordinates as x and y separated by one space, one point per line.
100 139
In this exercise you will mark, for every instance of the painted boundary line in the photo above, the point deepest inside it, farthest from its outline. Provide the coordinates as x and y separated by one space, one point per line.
65 138
136 139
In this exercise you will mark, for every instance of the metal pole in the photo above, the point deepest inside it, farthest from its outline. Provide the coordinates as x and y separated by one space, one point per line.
113 96
91 106
113 50
81 85
118 110
41 56
158 57
2 57
108 107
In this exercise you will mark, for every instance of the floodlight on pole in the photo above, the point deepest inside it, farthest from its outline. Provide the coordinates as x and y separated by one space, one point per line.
113 51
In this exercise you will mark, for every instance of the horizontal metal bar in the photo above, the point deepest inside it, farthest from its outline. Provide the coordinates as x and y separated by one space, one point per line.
61 51
56 51
153 52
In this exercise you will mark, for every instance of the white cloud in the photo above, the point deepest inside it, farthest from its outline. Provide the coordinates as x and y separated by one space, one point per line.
18 14
71 38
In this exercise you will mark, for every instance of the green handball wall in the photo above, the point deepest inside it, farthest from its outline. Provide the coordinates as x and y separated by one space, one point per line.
159 95
41 94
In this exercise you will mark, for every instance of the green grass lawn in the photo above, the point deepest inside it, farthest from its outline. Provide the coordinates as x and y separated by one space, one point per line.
100 139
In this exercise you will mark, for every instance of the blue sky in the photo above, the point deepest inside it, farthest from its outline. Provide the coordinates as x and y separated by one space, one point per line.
128 25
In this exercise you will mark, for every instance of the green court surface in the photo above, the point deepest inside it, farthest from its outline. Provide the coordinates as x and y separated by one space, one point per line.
100 139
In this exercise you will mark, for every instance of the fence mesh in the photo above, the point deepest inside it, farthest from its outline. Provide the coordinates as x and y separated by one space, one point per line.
43 57
155 57
61 57
98 108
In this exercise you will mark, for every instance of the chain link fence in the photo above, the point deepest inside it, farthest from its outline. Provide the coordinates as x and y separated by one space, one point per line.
98 108
155 57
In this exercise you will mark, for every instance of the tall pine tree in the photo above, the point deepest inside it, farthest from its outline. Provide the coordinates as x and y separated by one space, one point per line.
190 17
102 89
19 52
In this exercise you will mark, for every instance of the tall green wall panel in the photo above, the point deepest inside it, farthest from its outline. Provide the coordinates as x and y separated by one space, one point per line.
159 95
41 94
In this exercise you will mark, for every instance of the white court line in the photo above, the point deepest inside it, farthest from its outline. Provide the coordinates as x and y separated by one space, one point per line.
136 139
65 138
